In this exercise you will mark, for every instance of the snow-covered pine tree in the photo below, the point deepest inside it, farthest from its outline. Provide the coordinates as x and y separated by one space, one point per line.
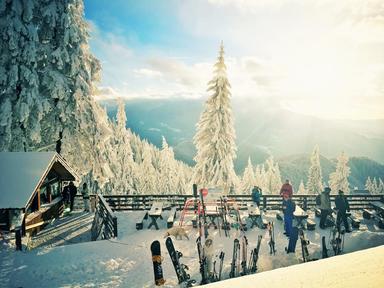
215 135
258 176
148 176
272 177
315 178
368 185
123 165
301 190
338 180
380 188
248 180
19 80
263 179
167 167
374 186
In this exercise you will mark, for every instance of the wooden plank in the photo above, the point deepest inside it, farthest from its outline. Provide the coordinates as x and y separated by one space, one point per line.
29 227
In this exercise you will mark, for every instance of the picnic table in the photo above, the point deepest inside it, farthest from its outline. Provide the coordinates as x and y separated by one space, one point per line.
300 216
155 213
212 213
254 214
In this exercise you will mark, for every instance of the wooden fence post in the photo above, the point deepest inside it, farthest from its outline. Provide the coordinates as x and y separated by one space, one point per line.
264 202
18 238
115 226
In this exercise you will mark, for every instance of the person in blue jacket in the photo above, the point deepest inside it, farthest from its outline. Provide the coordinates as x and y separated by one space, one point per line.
288 209
256 195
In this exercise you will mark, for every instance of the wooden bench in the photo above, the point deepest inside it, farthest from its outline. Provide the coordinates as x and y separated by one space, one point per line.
142 217
155 213
171 217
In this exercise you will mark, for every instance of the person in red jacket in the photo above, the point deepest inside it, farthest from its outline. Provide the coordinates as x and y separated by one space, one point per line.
286 190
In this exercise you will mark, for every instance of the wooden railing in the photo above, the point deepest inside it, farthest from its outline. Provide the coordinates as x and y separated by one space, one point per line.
143 202
104 224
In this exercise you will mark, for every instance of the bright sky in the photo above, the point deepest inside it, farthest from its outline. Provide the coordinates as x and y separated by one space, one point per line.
324 58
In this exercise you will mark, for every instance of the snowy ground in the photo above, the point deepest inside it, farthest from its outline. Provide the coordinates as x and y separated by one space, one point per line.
126 261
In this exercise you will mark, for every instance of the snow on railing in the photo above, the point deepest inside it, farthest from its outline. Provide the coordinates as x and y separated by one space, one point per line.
270 202
104 224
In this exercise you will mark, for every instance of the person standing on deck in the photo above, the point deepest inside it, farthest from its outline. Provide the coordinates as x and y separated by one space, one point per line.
342 207
85 193
72 193
256 195
325 206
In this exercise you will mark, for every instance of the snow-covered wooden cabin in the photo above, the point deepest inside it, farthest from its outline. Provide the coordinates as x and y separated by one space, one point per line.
30 188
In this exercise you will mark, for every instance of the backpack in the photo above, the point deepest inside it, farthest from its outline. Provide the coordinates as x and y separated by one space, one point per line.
318 200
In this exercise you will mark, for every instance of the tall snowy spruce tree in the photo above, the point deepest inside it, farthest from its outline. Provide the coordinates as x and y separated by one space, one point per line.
272 177
46 84
338 180
215 135
248 180
315 178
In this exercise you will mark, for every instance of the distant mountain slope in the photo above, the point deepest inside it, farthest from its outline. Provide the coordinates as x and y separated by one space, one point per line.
261 131
296 168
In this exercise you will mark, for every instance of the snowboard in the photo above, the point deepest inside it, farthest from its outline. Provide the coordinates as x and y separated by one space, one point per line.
293 240
156 259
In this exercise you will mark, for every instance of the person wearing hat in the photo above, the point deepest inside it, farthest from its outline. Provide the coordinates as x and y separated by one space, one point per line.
342 207
325 206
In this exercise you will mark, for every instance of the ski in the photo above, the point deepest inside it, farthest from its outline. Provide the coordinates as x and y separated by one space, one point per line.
304 246
234 267
226 225
202 261
204 215
156 259
324 248
244 252
180 269
221 257
252 268
271 243
337 240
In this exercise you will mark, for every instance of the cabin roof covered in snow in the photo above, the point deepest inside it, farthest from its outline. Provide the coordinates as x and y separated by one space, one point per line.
22 173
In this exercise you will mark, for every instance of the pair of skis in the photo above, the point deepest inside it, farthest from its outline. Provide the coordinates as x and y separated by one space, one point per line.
271 243
252 265
217 275
239 262
180 269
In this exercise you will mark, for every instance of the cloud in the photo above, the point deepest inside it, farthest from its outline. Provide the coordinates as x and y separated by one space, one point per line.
147 72
105 93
